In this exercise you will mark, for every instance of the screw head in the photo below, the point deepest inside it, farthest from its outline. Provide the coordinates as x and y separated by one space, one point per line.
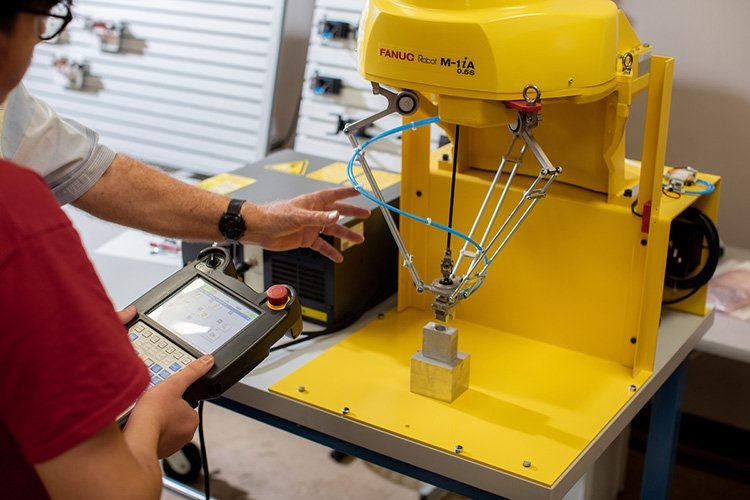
632 388
526 463
459 448
301 388
345 410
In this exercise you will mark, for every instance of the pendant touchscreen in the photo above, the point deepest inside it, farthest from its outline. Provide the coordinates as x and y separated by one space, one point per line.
203 316
205 309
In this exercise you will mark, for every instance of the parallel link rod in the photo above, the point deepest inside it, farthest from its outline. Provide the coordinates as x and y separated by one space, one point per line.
392 227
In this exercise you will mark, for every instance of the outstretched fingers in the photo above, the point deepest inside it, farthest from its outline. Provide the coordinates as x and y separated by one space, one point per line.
343 232
327 250
332 195
349 210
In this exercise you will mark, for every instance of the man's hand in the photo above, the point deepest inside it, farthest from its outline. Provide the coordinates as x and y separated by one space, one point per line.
123 465
162 406
126 314
299 222
191 213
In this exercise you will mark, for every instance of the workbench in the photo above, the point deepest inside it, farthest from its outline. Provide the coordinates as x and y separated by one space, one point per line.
679 335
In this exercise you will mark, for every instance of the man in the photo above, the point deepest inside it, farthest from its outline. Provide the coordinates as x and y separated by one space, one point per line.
67 369
117 188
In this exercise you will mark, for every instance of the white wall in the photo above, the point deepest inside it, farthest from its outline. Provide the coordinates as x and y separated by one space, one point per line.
710 123
198 84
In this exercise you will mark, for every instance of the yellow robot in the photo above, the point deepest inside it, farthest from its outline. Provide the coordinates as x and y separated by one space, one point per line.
530 232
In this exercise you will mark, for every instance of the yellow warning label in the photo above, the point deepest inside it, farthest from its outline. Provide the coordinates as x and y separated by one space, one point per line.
335 173
291 167
225 183
314 314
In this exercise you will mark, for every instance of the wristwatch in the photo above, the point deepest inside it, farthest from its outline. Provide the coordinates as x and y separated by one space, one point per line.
232 225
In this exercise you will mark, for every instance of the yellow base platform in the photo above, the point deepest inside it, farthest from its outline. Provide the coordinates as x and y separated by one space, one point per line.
531 408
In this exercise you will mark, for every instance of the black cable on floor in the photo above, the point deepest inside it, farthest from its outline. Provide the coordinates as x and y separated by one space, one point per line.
204 458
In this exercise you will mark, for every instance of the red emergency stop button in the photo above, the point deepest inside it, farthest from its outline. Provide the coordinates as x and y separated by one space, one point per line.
278 296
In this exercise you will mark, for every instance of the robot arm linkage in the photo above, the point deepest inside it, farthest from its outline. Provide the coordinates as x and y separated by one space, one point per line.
454 286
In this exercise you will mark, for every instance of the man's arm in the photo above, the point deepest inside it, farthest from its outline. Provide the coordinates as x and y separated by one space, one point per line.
103 466
136 195
66 153
133 194
113 187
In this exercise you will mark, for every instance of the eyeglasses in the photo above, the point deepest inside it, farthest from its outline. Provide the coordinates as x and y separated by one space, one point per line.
56 19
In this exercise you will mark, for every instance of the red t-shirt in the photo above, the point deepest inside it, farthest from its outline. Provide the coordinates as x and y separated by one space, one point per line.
67 369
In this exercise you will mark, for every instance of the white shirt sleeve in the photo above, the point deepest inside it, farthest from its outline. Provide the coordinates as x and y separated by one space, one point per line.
67 154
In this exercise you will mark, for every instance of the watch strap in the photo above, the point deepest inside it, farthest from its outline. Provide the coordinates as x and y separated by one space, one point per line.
235 205
232 225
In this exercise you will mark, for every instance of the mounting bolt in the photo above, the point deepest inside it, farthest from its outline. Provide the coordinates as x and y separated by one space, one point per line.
381 316
633 340
301 388
632 388
345 410
644 242
459 448
526 463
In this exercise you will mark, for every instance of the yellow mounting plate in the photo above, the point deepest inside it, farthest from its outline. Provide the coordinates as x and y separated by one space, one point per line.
527 400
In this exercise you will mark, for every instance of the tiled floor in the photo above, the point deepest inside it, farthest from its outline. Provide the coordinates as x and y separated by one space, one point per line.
251 460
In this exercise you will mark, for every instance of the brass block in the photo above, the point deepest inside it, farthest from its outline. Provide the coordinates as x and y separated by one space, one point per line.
439 380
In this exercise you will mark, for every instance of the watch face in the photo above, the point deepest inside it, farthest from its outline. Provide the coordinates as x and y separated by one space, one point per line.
232 226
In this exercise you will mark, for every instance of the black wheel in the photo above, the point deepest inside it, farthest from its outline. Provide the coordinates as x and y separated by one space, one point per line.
185 465
340 457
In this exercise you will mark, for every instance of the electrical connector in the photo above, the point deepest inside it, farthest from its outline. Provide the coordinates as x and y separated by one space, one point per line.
679 178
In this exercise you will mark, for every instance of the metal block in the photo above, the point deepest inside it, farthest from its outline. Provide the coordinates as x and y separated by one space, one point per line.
440 342
439 380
